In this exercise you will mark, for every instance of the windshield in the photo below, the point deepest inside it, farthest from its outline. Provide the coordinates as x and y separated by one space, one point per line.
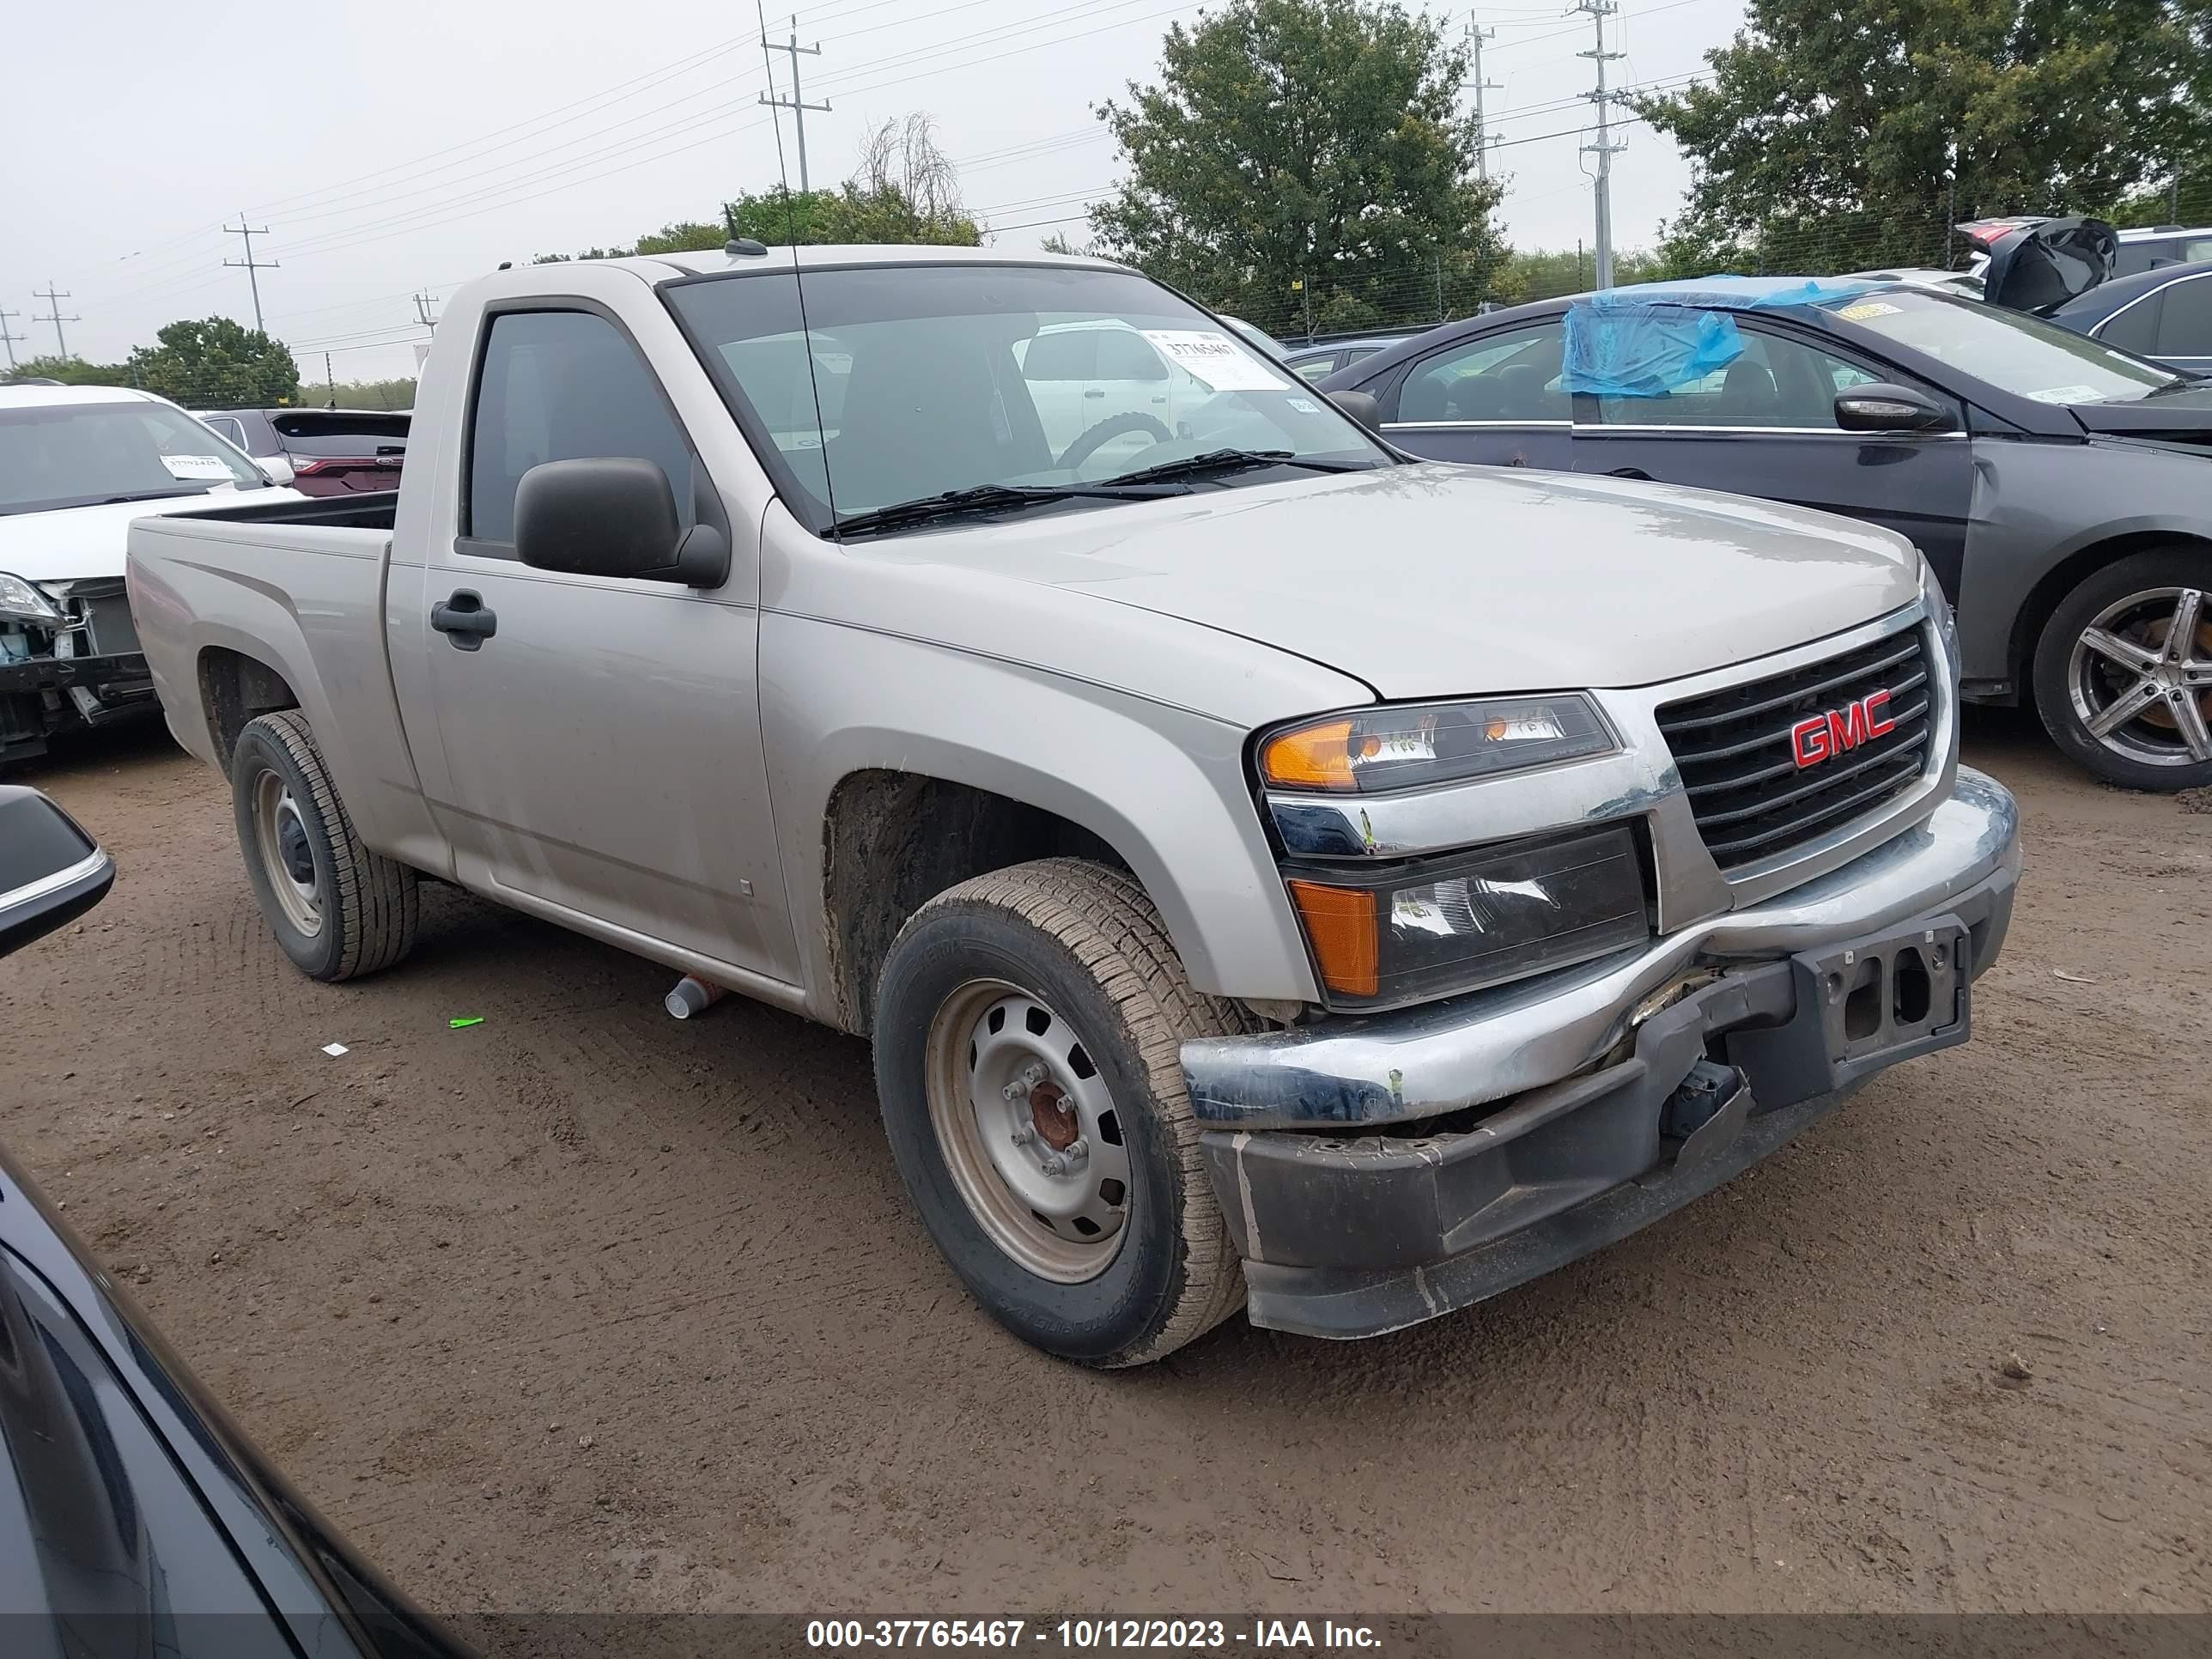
61 455
2010 349
930 379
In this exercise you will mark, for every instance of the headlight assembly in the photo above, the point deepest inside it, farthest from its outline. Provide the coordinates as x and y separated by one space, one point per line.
1441 926
1409 746
18 599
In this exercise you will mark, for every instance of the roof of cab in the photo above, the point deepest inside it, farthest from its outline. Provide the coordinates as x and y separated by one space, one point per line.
715 263
42 397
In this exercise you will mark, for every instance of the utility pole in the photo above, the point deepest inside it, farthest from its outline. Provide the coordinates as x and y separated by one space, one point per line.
53 297
9 339
1476 35
797 104
329 381
1602 181
252 267
423 304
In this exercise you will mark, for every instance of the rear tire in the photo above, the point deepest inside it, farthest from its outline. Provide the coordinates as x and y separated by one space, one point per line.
1123 1257
2106 648
337 909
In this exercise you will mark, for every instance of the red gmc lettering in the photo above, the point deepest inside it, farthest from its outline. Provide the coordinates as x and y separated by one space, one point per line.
1823 737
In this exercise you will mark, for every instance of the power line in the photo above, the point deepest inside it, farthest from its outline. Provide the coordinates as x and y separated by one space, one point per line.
53 299
1475 36
1604 149
252 267
796 103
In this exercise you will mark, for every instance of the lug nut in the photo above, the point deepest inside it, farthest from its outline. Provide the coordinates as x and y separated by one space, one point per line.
1018 1090
1055 1163
1022 1134
1079 1152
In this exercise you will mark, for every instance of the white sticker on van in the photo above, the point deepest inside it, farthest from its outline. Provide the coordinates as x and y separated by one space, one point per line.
1214 359
197 466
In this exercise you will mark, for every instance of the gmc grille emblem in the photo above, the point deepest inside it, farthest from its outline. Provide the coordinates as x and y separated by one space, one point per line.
1823 737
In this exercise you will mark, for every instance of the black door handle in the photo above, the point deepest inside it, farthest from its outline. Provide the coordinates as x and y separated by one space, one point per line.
464 620
1635 472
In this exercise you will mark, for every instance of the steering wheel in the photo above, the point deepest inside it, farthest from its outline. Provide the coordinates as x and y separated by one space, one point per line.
1113 426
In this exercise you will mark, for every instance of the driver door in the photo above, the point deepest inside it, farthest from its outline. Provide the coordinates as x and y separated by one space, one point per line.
601 745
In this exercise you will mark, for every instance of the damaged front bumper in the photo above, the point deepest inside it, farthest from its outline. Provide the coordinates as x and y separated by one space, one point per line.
86 670
1379 1171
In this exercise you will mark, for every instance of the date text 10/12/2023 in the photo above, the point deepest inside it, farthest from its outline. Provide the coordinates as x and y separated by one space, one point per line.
1090 1635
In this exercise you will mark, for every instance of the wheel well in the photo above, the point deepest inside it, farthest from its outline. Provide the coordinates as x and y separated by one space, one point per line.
235 689
2051 592
893 841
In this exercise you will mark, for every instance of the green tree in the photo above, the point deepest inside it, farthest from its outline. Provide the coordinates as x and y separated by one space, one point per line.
904 190
1546 273
69 371
215 363
1304 158
1844 133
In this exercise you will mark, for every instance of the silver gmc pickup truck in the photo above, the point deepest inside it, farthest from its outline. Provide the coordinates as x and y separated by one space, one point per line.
1272 872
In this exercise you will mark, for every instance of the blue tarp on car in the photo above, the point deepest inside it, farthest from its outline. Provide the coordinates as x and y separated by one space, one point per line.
1645 340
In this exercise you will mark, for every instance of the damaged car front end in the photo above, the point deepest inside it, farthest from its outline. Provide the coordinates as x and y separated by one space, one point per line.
68 655
1719 916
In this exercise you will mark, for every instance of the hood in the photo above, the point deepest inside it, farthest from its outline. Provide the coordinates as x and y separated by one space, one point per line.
79 543
2183 415
1435 580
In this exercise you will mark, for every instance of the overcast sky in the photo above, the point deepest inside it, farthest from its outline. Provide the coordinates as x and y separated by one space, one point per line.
406 147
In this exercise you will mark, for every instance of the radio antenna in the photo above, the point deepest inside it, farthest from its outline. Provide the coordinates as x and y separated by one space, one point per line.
798 281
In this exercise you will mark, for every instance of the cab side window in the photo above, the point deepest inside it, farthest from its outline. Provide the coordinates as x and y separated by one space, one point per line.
1509 378
562 385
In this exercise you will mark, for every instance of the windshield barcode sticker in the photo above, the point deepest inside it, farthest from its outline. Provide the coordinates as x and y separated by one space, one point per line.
197 466
1214 359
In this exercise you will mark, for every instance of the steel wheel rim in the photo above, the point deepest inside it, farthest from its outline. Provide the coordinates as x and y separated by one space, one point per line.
1008 1080
2140 677
280 833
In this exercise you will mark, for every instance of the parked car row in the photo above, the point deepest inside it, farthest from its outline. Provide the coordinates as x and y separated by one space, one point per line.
2057 484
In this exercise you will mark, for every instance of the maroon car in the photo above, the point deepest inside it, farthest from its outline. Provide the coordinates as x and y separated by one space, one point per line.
327 451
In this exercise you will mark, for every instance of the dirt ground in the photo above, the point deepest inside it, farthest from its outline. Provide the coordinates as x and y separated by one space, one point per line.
582 1309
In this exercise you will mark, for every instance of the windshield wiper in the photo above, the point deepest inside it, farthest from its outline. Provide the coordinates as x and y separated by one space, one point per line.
986 498
1213 462
148 495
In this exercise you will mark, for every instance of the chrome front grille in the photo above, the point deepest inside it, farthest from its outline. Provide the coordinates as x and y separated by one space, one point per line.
1739 749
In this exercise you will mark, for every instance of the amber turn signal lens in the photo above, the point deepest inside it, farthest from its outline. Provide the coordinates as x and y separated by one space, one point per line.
1311 757
1341 924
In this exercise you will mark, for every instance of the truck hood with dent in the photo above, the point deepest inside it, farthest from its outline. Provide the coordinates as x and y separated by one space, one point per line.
82 544
1435 580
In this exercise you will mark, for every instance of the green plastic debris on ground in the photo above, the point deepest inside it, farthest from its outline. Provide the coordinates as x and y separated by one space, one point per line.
460 1024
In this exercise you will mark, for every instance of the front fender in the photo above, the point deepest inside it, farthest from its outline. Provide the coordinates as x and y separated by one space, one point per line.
1162 786
2037 507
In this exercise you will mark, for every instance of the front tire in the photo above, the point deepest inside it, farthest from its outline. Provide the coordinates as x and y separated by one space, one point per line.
1028 1035
337 909
2124 671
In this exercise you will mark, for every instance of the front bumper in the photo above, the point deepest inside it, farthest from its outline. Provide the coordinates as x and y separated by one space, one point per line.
1544 1120
39 696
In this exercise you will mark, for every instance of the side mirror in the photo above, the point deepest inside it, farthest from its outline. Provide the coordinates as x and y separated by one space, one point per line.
1882 407
50 872
613 515
278 467
1360 405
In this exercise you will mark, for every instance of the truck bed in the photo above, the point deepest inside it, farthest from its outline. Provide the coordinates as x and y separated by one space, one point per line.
369 510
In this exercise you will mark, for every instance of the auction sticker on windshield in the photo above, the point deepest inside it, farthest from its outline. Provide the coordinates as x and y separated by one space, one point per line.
197 466
2067 394
1211 358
